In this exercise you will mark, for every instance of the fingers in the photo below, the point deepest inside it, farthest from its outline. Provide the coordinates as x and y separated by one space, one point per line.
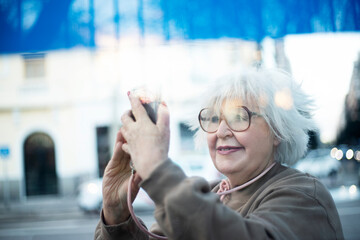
127 118
163 121
138 109
136 181
119 139
125 148
135 186
120 158
118 152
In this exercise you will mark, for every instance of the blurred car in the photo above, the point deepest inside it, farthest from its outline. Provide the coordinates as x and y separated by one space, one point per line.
319 163
345 193
90 197
90 192
198 165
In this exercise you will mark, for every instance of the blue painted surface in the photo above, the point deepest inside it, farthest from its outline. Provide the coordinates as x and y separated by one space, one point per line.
4 152
41 25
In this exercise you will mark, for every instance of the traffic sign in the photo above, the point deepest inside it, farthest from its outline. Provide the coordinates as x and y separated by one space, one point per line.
4 152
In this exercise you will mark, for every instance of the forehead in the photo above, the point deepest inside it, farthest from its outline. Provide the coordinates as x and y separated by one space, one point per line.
229 103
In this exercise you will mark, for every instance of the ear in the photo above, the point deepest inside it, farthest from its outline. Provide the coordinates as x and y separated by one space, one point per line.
276 141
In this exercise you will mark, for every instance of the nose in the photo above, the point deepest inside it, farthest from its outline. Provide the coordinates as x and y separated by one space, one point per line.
223 130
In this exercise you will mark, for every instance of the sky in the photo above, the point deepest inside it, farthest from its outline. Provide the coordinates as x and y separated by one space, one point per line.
324 64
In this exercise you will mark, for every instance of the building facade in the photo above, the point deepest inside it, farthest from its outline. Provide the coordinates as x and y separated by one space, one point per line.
60 110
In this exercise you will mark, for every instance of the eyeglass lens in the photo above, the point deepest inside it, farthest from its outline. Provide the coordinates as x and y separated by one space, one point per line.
238 119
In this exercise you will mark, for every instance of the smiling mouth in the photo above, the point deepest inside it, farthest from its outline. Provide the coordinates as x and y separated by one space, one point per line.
227 149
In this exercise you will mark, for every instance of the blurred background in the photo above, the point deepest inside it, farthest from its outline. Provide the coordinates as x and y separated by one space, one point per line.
65 68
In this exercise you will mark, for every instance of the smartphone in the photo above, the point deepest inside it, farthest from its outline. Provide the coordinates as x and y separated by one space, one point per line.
151 108
150 101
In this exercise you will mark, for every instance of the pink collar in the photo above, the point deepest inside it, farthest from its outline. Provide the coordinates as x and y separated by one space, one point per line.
225 187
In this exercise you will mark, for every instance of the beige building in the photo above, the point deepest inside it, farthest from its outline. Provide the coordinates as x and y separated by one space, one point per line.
59 110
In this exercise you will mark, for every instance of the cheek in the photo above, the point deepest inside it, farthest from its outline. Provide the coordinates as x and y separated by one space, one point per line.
211 141
254 141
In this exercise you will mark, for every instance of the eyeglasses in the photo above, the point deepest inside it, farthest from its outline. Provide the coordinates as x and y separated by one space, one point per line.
237 118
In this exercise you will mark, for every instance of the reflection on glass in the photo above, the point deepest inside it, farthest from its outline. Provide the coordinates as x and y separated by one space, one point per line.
284 99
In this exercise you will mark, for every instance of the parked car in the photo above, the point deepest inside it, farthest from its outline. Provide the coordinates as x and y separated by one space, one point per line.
90 192
319 163
90 197
198 165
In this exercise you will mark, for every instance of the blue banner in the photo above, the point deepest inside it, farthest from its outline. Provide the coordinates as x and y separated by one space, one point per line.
41 25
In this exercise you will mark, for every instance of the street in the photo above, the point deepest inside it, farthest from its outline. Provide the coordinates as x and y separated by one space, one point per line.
60 219
51 218
350 217
81 228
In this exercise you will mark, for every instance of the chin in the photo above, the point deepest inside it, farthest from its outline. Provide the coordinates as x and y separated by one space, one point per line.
226 170
228 166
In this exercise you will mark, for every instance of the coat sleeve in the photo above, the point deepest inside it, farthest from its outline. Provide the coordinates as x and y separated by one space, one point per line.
187 209
124 231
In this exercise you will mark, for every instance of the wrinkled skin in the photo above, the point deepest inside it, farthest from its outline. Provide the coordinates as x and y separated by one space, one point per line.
115 183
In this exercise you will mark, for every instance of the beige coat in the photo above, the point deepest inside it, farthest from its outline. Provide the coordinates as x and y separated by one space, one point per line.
283 204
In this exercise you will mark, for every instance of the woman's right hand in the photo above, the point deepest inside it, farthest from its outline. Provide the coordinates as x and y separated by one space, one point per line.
115 183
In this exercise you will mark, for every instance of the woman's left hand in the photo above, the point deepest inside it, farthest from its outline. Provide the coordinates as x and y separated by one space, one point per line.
146 142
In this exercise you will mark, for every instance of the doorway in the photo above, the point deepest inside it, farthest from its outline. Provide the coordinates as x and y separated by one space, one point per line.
39 165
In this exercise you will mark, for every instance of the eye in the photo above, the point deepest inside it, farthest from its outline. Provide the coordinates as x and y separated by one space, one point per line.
240 115
214 119
244 116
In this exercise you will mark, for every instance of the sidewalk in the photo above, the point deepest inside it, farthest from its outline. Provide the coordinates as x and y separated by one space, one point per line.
47 208
41 209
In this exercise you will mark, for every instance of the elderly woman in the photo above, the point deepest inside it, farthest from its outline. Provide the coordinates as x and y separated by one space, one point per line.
256 124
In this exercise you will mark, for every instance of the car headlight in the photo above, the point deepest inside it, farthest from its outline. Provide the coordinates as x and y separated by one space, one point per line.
353 190
92 188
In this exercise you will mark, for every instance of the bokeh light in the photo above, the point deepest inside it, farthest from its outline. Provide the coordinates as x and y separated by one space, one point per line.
349 154
357 155
284 99
333 152
339 154
92 188
352 189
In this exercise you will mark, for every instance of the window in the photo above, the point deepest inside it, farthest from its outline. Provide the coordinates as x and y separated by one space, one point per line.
186 138
103 148
34 65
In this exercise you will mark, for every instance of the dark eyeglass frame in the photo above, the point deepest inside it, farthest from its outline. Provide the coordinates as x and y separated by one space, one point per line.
250 113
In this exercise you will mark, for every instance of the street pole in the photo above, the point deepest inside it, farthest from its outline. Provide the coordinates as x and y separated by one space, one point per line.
4 156
5 185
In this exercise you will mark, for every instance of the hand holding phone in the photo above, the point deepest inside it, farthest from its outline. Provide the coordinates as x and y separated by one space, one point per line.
150 100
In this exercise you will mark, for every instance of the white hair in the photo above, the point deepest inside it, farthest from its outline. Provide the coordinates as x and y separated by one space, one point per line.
279 99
